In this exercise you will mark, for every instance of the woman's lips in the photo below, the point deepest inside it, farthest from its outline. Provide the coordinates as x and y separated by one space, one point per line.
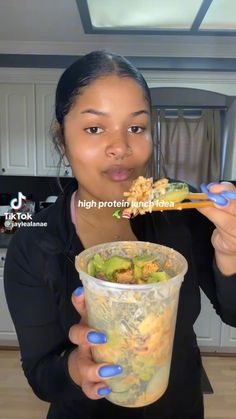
118 174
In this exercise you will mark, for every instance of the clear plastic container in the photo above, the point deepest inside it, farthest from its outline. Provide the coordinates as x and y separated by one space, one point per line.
139 321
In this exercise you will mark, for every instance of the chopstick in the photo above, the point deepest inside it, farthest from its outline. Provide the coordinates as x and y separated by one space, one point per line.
197 195
161 193
202 201
184 205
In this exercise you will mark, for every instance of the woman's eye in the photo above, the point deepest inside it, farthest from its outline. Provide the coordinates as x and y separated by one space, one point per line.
94 130
136 129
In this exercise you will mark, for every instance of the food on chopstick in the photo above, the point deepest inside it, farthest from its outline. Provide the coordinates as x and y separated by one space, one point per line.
124 270
145 194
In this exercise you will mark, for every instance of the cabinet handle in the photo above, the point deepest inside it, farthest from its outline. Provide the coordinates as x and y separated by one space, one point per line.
3 170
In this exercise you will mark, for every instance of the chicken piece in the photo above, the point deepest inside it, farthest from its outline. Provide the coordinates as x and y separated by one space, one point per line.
143 193
101 276
149 268
168 264
160 186
125 276
140 190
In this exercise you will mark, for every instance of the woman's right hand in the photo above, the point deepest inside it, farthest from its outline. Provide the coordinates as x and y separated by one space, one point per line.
82 369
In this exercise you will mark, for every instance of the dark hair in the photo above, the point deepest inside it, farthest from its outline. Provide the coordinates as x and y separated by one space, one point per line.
82 73
86 70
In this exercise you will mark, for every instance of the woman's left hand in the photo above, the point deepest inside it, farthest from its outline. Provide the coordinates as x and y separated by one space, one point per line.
224 236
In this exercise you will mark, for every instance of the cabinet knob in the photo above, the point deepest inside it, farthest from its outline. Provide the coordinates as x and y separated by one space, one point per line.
3 170
66 172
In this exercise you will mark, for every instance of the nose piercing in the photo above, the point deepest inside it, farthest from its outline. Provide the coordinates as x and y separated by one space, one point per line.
118 156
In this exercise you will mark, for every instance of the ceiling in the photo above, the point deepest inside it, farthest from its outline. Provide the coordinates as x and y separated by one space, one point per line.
199 17
54 27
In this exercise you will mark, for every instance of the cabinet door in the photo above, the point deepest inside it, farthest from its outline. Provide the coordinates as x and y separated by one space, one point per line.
228 338
7 331
208 326
47 155
17 129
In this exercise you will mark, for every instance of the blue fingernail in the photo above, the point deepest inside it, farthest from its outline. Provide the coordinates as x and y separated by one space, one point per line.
104 391
228 194
218 199
96 337
212 183
110 370
78 291
222 203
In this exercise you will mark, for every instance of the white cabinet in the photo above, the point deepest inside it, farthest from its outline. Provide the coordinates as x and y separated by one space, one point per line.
26 115
7 331
228 338
212 334
17 129
47 155
208 326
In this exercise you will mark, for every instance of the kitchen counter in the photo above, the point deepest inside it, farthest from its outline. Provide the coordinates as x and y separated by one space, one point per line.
5 240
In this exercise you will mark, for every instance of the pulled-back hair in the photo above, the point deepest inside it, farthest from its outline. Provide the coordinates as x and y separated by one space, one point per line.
82 73
88 69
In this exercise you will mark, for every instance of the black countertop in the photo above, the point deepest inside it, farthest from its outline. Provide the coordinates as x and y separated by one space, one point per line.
5 240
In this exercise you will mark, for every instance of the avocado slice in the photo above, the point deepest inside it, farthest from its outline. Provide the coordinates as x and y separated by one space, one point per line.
157 277
175 192
115 263
140 261
98 262
95 265
137 272
91 268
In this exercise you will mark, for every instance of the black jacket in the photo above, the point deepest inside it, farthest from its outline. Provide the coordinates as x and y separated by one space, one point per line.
40 277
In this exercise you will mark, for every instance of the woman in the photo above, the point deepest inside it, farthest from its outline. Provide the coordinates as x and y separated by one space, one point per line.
103 127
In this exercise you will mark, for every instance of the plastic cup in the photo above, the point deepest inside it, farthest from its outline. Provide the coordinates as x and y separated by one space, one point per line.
138 320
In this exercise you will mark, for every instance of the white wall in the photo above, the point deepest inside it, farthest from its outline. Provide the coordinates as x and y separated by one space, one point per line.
218 82
230 141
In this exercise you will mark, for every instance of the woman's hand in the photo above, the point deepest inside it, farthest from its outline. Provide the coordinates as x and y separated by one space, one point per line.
224 236
83 371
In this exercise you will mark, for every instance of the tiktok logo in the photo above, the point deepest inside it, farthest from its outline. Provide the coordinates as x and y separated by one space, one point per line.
17 203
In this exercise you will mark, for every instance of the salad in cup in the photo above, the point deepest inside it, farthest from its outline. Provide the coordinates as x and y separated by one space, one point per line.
131 294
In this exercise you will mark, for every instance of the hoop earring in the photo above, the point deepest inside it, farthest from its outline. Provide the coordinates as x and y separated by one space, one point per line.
66 166
65 162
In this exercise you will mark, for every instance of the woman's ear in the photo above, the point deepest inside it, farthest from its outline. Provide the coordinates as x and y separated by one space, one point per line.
55 127
59 142
57 134
62 149
65 161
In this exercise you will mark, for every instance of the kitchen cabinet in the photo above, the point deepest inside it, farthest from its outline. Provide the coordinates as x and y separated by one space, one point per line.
47 155
8 335
17 129
208 326
26 114
228 338
212 334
